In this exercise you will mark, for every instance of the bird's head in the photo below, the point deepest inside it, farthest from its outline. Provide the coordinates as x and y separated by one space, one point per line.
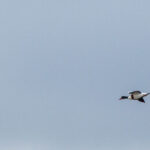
123 97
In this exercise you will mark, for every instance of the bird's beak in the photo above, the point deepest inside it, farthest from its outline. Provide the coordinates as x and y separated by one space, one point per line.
120 98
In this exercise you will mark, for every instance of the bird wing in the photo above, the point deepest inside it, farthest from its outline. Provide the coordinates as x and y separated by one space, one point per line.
141 100
135 92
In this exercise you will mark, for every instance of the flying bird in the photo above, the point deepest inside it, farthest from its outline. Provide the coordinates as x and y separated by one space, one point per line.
135 95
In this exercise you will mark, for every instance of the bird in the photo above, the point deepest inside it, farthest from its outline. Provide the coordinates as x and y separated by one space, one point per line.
135 95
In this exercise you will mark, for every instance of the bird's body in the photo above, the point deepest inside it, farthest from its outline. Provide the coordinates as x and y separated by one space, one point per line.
135 95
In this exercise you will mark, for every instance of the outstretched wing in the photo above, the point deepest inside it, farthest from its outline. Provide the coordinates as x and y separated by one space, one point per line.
141 100
135 92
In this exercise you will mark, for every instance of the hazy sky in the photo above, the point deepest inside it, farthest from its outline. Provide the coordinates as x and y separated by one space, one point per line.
64 64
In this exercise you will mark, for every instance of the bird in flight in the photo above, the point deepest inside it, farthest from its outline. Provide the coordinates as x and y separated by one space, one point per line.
135 95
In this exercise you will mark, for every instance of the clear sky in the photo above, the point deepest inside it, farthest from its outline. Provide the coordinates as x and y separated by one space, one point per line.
64 64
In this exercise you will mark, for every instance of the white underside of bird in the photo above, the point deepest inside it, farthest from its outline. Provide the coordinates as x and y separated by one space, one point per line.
137 96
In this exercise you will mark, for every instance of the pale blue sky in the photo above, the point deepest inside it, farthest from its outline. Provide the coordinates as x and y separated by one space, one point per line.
64 65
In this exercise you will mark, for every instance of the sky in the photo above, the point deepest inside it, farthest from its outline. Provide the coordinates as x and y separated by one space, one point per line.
64 64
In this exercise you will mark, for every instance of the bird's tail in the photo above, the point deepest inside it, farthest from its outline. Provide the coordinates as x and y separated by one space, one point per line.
147 94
